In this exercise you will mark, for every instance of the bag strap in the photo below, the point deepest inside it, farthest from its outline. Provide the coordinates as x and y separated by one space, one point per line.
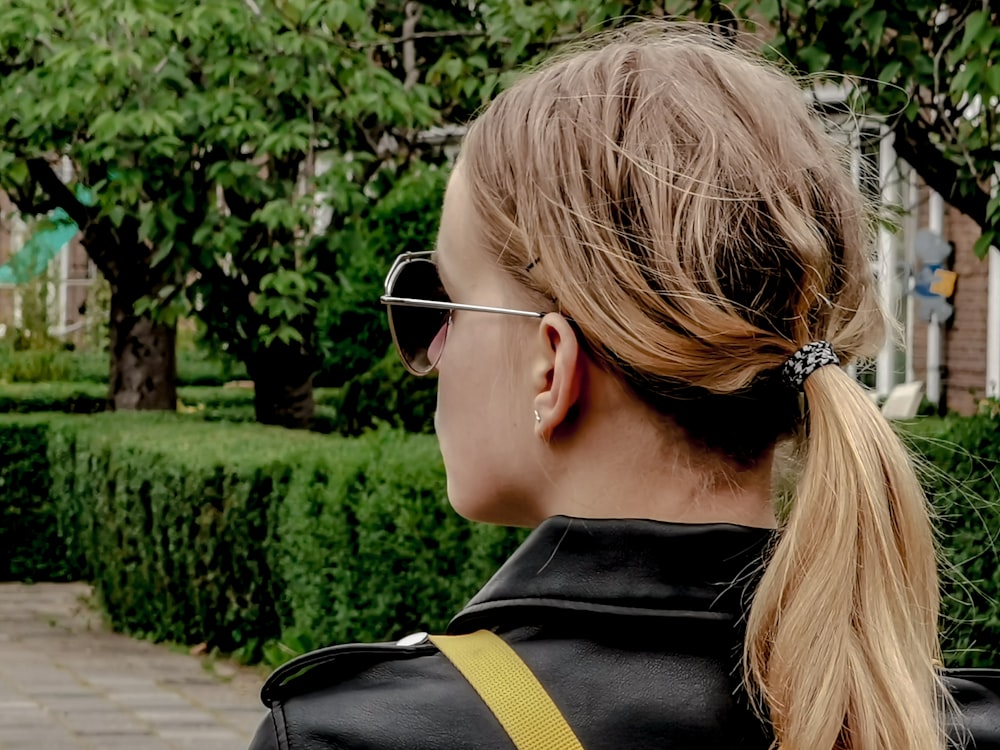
509 689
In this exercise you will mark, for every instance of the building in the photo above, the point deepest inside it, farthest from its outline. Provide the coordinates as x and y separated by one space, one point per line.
63 283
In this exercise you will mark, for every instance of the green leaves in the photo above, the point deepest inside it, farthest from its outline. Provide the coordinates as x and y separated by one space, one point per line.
931 70
240 145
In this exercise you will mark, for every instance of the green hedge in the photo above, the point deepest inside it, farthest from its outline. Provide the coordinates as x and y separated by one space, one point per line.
91 398
387 394
46 365
70 398
961 472
215 403
30 547
256 539
269 542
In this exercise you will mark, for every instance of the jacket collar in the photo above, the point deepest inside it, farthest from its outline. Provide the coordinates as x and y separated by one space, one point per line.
626 566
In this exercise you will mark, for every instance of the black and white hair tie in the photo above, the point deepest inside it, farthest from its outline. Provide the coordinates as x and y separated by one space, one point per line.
806 361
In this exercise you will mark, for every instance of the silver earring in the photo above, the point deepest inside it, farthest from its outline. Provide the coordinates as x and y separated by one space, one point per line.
538 417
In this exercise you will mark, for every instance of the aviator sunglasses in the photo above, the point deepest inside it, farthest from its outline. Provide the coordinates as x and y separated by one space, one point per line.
419 310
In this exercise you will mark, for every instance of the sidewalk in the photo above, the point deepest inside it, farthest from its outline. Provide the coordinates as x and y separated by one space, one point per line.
68 684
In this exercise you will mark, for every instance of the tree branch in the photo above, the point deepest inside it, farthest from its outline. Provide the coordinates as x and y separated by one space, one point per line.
413 12
940 173
58 193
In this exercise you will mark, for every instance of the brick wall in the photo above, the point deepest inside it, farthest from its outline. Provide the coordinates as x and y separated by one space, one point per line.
964 378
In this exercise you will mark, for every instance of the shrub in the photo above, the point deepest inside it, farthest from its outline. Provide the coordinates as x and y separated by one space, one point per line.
387 394
270 541
244 536
213 403
169 518
63 365
91 398
352 325
30 546
371 550
71 398
961 472
36 365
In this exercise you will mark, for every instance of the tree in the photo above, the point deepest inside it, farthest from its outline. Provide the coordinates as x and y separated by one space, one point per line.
199 130
230 146
207 134
931 69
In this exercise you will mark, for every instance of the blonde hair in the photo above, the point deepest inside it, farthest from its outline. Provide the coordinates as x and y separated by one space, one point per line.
682 203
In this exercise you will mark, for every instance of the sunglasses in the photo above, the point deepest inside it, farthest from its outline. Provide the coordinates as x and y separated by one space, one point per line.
420 312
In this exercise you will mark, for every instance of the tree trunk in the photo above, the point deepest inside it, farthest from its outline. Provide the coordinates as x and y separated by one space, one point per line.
283 387
143 360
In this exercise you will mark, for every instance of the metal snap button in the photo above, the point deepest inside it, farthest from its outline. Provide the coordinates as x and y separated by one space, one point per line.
414 639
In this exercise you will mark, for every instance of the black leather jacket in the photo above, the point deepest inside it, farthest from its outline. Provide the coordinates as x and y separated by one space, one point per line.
632 626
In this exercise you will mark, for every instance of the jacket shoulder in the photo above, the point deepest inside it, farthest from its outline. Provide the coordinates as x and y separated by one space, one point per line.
977 692
327 666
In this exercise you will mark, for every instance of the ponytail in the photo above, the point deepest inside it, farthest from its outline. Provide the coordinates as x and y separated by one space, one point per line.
681 202
842 634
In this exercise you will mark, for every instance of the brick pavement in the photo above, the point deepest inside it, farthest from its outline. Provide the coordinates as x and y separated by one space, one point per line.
66 683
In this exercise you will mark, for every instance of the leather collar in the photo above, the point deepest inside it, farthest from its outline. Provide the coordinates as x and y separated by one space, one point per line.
626 567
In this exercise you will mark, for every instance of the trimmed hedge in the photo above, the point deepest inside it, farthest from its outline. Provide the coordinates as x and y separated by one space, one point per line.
215 403
70 398
30 548
91 398
254 539
374 531
45 365
270 542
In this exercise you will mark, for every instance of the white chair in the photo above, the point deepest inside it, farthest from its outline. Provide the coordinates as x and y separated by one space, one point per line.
903 400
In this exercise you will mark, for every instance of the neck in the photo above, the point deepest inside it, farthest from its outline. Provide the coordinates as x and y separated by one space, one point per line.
626 462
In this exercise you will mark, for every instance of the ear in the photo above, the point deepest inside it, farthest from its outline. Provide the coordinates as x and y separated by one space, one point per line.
559 374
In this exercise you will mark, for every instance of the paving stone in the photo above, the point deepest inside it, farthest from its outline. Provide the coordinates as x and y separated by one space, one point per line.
207 734
26 719
68 684
75 703
102 722
177 718
201 744
130 742
39 738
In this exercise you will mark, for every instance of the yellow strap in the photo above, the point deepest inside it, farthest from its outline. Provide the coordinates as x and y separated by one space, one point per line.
509 689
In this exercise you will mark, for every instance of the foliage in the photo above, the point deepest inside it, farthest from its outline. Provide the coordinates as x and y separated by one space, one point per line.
69 398
374 515
248 538
353 329
961 471
931 69
387 394
31 334
59 364
30 547
212 404
272 542
171 532
245 140
36 365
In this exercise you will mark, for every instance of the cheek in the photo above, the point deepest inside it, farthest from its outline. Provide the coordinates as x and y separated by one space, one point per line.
475 421
437 345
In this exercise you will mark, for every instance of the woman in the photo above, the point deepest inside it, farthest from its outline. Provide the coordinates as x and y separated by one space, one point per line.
653 266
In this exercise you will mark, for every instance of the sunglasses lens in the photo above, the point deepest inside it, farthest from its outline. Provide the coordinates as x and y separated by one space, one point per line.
415 329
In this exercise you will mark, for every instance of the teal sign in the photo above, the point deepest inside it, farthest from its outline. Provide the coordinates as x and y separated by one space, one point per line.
51 236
